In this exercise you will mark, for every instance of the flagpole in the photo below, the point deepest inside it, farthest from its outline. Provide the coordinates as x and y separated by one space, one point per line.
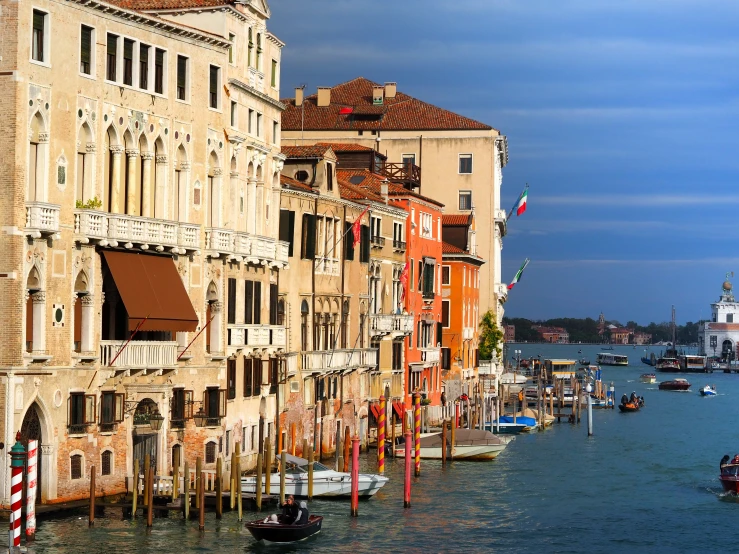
517 201
343 236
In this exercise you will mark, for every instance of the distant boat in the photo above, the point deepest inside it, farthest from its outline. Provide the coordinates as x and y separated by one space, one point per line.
648 378
607 348
708 390
612 359
675 385
691 362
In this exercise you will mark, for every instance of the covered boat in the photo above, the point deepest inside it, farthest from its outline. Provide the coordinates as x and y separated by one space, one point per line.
265 530
675 384
470 444
612 359
326 481
648 378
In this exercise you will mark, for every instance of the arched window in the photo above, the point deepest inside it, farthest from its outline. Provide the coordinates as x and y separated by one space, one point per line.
36 155
106 461
210 453
75 466
304 311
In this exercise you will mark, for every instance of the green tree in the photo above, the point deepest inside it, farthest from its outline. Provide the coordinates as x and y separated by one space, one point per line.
490 336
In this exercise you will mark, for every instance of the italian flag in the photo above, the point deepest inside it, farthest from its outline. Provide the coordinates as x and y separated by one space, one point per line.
521 204
517 277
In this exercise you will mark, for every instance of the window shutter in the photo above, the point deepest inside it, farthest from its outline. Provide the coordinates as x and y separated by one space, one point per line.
112 44
120 403
291 232
257 302
477 357
348 241
364 244
128 49
89 413
445 306
188 399
181 71
86 45
311 243
285 225
206 402
231 300
70 421
248 301
38 21
437 338
257 384
213 80
446 358
247 377
222 402
272 304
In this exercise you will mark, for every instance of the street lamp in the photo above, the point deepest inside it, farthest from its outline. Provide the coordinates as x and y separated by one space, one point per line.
518 360
200 418
155 420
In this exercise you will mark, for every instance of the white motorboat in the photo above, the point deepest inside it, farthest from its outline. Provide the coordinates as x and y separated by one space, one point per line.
708 390
326 481
471 444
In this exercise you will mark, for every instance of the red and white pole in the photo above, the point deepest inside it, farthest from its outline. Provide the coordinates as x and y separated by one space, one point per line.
17 453
31 490
408 464
355 476
381 438
417 430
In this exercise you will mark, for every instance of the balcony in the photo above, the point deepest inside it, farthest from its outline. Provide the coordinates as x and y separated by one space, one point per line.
111 229
249 336
385 324
338 360
399 245
501 220
42 219
240 246
430 355
377 242
406 174
326 266
139 354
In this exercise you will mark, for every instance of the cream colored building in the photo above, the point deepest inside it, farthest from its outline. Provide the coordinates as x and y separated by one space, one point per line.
140 167
456 160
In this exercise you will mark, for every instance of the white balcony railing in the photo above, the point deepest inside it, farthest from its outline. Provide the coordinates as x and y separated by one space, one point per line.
219 240
255 336
384 324
42 218
239 246
110 228
138 354
430 355
335 360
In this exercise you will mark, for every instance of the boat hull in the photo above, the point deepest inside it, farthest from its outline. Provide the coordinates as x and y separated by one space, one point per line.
628 407
333 484
278 533
471 452
730 483
673 386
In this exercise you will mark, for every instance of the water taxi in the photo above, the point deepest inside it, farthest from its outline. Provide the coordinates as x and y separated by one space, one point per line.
675 384
648 378
612 359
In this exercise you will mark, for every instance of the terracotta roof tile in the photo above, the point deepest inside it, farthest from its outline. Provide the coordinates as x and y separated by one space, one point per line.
447 248
295 184
350 192
340 147
373 182
455 219
142 5
400 113
312 151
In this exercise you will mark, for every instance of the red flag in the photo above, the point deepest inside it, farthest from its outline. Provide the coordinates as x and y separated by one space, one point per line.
345 111
403 281
356 228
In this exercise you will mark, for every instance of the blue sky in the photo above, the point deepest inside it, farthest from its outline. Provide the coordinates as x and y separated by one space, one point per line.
621 115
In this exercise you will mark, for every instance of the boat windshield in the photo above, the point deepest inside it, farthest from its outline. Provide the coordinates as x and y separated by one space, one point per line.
294 468
730 470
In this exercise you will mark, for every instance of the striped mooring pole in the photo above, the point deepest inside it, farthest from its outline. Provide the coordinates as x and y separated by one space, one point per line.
32 479
17 455
417 430
381 438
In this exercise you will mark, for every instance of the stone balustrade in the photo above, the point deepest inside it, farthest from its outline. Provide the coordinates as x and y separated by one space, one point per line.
42 219
340 359
138 354
245 335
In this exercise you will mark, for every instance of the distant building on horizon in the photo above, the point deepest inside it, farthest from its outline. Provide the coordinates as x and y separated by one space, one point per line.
509 333
557 335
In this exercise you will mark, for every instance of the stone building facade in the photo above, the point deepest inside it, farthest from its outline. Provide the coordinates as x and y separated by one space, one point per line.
138 228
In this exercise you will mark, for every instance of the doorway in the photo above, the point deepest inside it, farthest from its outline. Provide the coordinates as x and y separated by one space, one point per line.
31 430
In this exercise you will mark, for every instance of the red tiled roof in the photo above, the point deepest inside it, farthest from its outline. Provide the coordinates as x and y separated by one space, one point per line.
340 147
714 326
455 219
312 151
350 192
295 184
373 182
447 248
400 113
141 5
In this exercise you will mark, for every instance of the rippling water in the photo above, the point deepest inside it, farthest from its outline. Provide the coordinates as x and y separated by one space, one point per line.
644 482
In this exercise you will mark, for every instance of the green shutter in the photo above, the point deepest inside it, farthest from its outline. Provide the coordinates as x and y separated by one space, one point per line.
309 237
38 21
213 79
112 44
159 57
86 44
348 241
257 302
128 49
181 71
248 301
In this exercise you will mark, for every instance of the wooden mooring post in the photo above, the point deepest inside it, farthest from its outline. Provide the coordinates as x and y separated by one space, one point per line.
198 477
219 487
201 497
135 487
310 475
267 466
91 518
147 463
150 498
443 442
186 487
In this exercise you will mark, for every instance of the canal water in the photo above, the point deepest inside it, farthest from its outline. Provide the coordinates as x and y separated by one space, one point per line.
645 482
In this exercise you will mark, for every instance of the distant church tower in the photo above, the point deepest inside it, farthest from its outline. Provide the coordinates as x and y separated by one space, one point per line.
601 323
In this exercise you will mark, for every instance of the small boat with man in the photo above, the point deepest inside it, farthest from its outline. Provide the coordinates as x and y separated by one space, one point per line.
632 404
708 390
729 476
294 524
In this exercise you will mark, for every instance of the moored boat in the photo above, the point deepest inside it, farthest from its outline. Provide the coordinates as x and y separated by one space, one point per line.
265 530
675 385
691 362
667 363
470 444
326 481
648 378
605 358
708 390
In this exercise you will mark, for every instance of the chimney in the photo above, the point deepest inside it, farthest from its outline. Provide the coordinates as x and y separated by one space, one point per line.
383 191
377 95
299 96
324 96
391 90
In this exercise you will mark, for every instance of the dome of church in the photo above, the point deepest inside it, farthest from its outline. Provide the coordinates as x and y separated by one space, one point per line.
727 285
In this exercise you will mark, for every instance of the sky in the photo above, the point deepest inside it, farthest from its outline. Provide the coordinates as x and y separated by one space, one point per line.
620 115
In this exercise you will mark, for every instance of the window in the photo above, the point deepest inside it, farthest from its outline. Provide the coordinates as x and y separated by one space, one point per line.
729 318
308 238
112 57
252 302
38 37
259 125
80 411
287 229
250 49
231 371
182 406
274 74
259 51
234 107
231 317
446 275
398 236
364 244
428 280
445 313
375 228
75 466
215 405
273 298
275 132
111 409
329 176
159 71
182 63
411 279
397 355
408 159
128 62
427 225
210 452
86 41
232 40
248 377
465 199
106 459
215 77
274 375
250 122
144 66
465 163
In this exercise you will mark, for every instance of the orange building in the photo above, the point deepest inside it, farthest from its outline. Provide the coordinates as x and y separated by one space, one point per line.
460 304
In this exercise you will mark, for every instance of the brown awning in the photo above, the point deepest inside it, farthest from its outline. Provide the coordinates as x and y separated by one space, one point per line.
151 289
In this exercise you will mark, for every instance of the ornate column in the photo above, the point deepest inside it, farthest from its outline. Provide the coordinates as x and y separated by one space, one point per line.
131 155
39 321
160 180
115 180
146 197
216 310
87 323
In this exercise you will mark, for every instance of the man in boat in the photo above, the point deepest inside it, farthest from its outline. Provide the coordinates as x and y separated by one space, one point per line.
303 515
624 400
724 461
289 511
634 400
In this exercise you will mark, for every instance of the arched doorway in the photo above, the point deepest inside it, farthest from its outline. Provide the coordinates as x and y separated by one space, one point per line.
31 430
145 440
727 350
